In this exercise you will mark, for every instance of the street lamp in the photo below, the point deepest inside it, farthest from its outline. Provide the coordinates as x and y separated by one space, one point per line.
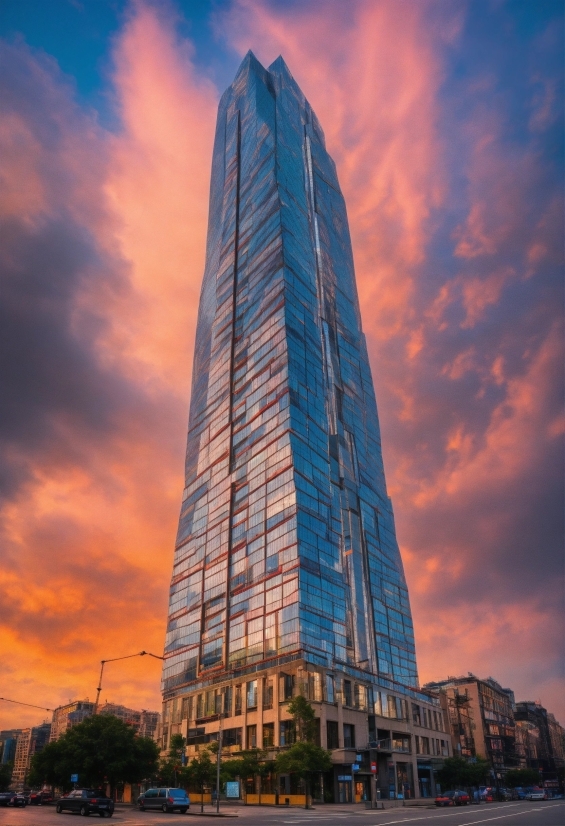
218 761
113 660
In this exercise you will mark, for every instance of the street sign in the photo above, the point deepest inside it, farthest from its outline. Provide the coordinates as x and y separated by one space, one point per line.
74 778
344 778
355 767
374 768
232 788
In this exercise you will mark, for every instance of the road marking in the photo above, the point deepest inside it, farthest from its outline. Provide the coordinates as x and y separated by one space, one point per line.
436 815
524 812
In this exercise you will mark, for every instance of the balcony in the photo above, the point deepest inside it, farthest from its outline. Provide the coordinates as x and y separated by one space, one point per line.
379 745
388 746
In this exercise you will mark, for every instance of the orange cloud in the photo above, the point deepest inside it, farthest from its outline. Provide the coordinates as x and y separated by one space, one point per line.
375 90
89 528
444 206
456 233
158 185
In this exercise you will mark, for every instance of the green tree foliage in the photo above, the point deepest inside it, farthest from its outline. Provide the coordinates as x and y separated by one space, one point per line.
478 772
304 718
172 772
102 749
303 759
521 777
6 770
202 772
453 773
457 772
250 763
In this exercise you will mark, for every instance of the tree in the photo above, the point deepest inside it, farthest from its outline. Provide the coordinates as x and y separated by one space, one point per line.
102 749
521 777
172 772
477 772
250 763
304 718
303 759
202 772
6 776
457 772
453 772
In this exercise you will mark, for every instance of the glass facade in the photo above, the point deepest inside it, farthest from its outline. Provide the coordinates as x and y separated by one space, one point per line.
286 543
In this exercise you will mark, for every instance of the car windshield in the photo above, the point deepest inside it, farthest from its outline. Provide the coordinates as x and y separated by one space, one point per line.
177 793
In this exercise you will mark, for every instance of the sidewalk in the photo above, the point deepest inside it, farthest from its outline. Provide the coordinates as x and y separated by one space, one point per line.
230 805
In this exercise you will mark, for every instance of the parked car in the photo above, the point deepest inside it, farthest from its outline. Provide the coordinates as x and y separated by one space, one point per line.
165 799
11 798
535 794
40 798
86 801
507 794
452 798
521 792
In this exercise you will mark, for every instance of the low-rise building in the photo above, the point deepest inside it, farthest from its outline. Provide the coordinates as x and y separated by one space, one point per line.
556 735
67 716
527 744
8 741
481 719
144 722
149 724
30 741
550 755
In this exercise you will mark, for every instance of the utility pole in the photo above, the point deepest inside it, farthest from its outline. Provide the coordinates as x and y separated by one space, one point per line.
218 760
113 660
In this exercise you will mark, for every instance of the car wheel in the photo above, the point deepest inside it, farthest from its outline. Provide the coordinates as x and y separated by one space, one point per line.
84 811
58 808
164 807
141 807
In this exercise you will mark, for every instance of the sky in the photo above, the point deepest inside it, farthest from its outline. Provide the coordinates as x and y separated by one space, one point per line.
445 120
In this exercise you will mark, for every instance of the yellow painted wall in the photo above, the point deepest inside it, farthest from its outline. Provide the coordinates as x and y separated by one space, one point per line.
270 799
195 797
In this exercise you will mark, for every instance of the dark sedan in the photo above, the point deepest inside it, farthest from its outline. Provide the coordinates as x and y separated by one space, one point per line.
12 799
452 798
86 802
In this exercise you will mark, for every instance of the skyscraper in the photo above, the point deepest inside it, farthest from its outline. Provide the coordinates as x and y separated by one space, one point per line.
287 575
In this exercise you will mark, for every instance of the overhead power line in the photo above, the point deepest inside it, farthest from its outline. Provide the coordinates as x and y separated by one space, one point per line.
19 703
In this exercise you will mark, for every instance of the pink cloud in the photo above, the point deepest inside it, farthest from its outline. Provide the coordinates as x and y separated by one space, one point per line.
458 310
452 262
89 520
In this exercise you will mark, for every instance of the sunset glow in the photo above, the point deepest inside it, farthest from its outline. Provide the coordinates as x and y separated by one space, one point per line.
449 152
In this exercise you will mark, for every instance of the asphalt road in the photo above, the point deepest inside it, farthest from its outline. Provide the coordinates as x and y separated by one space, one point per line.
543 813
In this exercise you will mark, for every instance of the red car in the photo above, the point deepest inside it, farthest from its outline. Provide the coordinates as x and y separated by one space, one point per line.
40 798
455 798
